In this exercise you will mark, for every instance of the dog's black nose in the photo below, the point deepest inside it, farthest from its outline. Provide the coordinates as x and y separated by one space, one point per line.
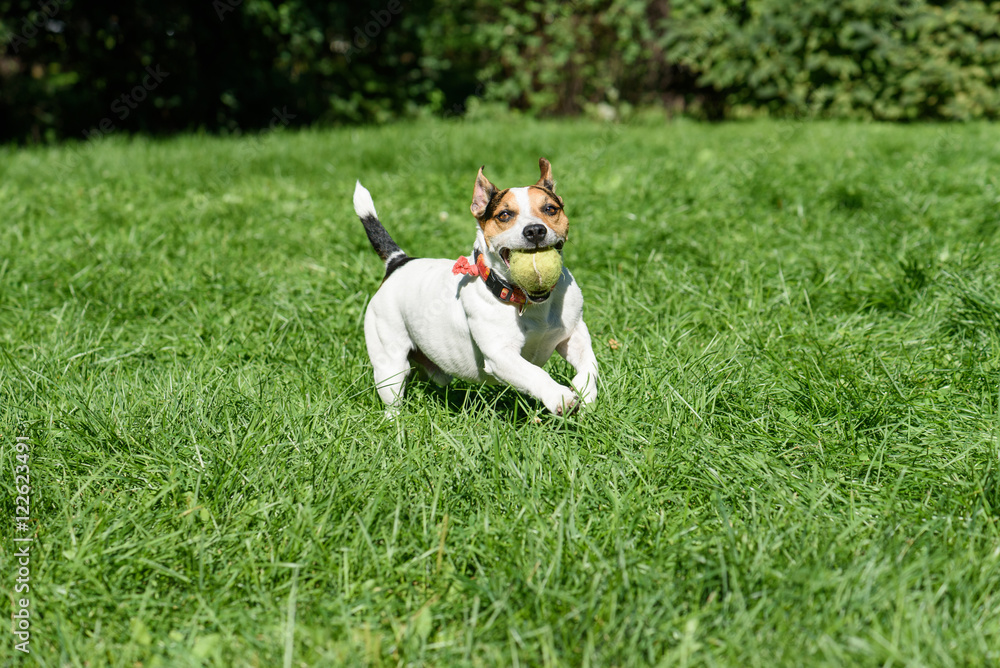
535 233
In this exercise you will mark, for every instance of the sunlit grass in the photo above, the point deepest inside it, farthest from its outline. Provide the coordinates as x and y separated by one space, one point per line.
793 461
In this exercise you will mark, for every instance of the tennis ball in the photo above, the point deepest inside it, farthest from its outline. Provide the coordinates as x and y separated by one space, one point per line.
536 271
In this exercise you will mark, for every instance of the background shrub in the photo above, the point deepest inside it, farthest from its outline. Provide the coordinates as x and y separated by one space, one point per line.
231 63
561 58
245 64
882 59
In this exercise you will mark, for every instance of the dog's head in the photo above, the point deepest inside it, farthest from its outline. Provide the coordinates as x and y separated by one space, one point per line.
519 218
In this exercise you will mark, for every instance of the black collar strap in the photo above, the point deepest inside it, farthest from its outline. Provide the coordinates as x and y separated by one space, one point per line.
503 290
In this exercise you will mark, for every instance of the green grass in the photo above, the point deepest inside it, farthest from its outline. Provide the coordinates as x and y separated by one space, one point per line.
794 459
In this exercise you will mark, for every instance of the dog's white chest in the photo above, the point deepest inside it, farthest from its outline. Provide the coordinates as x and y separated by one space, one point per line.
542 329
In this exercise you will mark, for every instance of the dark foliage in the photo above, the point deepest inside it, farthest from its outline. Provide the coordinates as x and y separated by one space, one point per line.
73 69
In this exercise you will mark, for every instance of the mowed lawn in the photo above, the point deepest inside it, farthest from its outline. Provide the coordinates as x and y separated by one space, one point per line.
793 460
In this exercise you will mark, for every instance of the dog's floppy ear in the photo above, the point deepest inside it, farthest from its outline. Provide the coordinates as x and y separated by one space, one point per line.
482 195
545 180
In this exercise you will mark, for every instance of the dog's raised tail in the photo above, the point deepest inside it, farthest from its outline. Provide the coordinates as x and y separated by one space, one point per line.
387 249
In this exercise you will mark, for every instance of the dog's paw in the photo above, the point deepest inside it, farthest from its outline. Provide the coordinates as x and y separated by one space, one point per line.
563 403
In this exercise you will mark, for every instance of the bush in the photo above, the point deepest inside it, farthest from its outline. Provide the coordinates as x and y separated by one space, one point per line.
230 64
68 69
562 57
881 59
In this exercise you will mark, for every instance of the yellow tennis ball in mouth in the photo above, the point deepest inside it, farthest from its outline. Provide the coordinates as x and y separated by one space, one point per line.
536 271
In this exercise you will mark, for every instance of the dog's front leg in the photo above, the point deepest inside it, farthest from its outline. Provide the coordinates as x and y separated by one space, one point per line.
507 365
578 351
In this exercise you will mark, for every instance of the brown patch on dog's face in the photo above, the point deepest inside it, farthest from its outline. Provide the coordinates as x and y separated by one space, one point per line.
500 214
547 207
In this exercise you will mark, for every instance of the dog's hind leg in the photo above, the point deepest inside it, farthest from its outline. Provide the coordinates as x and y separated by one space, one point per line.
389 349
429 368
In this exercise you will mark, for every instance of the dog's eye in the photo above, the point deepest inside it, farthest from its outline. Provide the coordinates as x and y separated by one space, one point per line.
504 216
551 210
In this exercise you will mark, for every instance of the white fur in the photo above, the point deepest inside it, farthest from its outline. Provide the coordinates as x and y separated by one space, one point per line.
456 322
363 203
526 215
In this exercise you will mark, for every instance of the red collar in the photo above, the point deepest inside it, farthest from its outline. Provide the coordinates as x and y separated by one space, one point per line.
501 289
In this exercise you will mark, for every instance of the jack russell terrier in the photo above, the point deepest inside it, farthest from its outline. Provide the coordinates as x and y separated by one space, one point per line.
469 319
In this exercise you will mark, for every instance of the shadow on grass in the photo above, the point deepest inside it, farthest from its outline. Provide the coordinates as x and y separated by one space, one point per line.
504 403
462 398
